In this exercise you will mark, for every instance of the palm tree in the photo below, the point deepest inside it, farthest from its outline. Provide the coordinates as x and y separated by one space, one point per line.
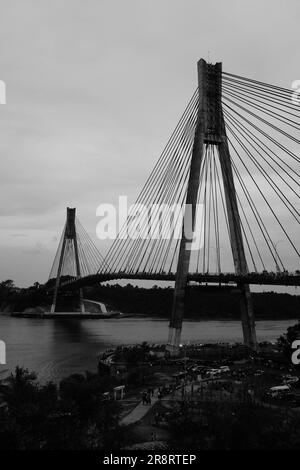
19 387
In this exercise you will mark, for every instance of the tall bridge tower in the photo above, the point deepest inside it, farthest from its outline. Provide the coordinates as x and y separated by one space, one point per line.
210 130
69 245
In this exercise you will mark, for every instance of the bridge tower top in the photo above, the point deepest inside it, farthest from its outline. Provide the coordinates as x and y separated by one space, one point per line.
70 225
210 100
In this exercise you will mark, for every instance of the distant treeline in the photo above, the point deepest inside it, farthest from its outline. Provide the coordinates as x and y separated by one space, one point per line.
17 299
205 302
210 302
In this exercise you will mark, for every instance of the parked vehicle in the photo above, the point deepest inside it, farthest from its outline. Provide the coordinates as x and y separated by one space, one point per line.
290 379
224 369
279 391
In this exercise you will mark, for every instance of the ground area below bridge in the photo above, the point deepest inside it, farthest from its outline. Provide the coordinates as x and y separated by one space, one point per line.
205 398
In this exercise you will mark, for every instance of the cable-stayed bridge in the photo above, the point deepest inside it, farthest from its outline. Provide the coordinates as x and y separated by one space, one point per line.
231 166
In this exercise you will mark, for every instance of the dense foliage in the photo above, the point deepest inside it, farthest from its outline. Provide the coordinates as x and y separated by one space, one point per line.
200 302
72 415
229 426
211 302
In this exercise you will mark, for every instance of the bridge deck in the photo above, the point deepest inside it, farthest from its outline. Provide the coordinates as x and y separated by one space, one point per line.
280 279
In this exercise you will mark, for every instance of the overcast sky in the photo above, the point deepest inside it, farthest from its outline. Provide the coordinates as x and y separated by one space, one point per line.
94 89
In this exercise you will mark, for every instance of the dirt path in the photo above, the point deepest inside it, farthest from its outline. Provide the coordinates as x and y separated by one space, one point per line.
139 411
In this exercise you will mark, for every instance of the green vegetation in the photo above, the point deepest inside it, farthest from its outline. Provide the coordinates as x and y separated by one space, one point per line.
229 426
203 302
71 416
74 414
13 298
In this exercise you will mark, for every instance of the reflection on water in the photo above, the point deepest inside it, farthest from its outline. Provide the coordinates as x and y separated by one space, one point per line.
56 348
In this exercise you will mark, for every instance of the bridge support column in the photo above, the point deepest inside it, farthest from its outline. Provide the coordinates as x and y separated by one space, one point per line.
247 317
190 213
61 258
78 273
236 241
210 130
69 234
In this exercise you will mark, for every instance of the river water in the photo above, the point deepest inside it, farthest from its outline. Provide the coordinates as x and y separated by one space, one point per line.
57 348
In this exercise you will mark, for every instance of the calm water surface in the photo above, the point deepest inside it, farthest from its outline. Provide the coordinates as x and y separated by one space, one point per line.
56 348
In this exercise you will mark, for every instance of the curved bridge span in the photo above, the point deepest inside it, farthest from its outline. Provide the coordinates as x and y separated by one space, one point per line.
229 278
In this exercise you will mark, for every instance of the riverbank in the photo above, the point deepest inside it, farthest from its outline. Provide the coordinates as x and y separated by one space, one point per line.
205 317
55 348
65 315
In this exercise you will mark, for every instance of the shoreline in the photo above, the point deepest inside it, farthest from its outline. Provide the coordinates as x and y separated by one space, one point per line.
120 315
